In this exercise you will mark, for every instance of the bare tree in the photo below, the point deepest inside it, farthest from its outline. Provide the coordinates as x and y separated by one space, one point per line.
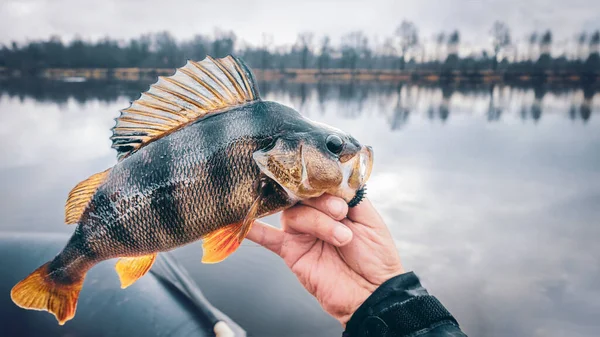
389 52
305 43
354 46
389 48
325 53
453 42
197 48
223 44
267 42
595 42
532 39
167 50
581 41
408 37
546 42
440 39
500 39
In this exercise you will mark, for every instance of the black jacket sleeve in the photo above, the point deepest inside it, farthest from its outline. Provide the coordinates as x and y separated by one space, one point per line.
402 307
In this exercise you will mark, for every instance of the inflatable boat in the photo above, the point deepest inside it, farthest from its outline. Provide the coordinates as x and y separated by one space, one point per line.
166 302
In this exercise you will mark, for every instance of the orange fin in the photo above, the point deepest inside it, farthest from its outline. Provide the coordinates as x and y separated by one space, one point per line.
219 244
80 196
195 90
38 292
130 269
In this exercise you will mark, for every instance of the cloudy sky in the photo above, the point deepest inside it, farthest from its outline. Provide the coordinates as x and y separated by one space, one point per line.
22 20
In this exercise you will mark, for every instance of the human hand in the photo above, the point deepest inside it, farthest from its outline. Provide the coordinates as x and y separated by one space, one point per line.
340 260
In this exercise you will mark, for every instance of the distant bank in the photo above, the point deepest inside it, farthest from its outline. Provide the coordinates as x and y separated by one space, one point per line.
329 75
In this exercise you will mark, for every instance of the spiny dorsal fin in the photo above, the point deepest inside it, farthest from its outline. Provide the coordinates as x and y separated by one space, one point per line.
194 91
80 196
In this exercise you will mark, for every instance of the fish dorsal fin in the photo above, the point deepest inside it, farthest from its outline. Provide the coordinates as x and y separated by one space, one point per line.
80 196
195 90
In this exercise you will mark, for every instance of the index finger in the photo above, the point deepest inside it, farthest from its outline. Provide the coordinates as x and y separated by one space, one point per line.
267 236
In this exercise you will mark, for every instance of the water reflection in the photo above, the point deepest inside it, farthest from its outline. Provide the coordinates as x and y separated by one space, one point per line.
398 101
491 193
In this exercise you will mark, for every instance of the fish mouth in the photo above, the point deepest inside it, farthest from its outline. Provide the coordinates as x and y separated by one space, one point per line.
358 197
356 173
362 172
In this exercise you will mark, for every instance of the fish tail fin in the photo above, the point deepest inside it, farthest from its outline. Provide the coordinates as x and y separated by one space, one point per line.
41 291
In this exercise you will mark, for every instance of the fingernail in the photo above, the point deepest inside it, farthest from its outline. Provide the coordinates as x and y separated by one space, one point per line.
342 234
336 208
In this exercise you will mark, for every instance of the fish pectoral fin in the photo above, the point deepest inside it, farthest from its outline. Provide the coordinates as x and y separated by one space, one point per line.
130 269
80 196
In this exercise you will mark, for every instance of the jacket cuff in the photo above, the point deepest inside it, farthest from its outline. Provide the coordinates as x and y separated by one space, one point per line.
400 306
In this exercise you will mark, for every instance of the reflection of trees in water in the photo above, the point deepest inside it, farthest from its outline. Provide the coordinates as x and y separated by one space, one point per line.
536 107
352 96
395 102
441 109
447 92
61 92
585 110
582 110
323 90
579 108
498 101
402 110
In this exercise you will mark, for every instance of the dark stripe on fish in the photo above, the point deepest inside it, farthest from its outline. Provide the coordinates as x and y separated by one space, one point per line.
164 205
120 232
217 173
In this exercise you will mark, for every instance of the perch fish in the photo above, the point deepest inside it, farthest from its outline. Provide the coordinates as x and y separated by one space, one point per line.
200 156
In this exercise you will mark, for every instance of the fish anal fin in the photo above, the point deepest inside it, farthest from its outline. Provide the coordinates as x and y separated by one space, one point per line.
80 196
195 90
130 269
38 292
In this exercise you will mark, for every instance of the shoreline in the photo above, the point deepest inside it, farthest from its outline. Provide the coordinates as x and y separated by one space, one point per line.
316 75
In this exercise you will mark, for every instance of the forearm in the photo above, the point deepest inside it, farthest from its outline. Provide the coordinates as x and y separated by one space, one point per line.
402 307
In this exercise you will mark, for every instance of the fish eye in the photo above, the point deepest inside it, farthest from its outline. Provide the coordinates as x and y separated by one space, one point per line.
335 144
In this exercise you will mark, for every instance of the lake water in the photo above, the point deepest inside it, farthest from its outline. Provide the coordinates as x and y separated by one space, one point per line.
492 195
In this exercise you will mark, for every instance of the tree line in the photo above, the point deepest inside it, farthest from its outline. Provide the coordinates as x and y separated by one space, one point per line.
405 49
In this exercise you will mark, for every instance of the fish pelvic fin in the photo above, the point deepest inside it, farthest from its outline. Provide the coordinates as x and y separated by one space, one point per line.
221 243
81 195
39 291
195 90
130 269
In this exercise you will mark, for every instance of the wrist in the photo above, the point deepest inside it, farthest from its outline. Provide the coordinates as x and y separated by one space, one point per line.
400 306
356 300
366 288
